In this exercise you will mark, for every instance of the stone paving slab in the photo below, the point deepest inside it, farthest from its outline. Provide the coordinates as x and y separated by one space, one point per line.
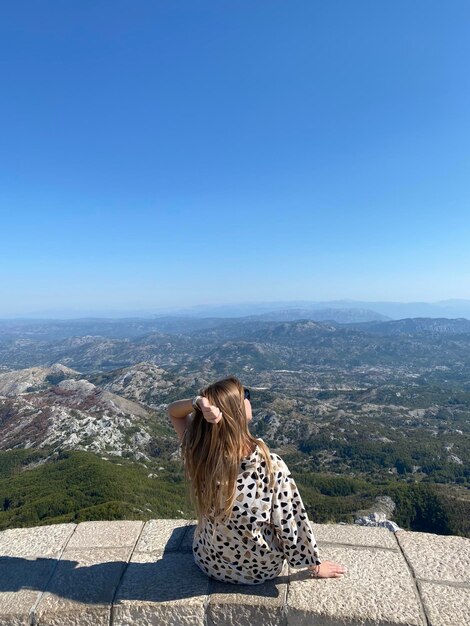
82 587
161 535
22 581
27 559
377 589
86 615
103 534
169 590
162 584
354 534
245 605
445 605
436 557
37 541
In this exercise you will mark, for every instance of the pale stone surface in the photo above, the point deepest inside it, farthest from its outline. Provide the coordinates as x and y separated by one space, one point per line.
13 620
446 605
144 574
27 559
82 579
168 590
87 615
35 541
161 535
103 534
21 582
354 535
436 557
244 605
377 589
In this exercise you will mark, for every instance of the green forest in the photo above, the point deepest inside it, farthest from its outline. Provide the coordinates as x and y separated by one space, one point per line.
76 486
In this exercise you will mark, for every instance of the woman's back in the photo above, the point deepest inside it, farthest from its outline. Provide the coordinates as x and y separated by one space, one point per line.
266 526
250 514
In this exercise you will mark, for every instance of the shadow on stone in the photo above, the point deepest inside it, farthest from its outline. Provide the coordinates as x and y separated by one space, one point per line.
93 575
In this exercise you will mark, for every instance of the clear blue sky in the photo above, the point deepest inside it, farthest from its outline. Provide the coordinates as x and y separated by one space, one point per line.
166 153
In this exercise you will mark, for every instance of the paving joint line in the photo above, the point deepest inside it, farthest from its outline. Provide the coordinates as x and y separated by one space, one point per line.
422 609
124 569
32 612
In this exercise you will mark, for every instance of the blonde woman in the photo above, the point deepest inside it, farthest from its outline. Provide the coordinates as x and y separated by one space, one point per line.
250 513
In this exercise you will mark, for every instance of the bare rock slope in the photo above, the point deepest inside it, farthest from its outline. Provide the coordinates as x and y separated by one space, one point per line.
72 414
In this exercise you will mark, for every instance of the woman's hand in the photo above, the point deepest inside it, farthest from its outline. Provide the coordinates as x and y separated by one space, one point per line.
211 413
327 569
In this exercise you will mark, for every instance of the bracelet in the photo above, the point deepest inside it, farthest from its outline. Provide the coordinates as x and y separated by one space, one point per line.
194 403
314 572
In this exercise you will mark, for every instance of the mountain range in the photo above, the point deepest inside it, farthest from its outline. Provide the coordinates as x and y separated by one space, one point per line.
352 407
339 310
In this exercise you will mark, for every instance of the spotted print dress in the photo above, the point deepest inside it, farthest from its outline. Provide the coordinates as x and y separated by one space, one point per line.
266 527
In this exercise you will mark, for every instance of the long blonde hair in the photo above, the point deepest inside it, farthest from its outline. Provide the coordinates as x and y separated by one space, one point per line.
212 452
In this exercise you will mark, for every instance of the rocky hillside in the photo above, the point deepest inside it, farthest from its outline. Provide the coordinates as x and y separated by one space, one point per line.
147 383
30 379
75 414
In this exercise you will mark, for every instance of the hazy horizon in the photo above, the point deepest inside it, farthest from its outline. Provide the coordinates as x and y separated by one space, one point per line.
239 309
113 311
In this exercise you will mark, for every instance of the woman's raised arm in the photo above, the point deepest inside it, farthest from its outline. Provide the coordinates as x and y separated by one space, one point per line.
180 415
180 412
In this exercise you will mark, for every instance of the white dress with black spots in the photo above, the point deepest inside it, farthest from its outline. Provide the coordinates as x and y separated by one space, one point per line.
266 527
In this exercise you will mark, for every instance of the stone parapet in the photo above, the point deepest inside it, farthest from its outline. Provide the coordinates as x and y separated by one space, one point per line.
119 573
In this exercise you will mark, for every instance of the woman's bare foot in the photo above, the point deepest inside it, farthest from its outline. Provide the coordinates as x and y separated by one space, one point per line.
327 569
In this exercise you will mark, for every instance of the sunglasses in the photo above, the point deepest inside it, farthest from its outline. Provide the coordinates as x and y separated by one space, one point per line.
247 393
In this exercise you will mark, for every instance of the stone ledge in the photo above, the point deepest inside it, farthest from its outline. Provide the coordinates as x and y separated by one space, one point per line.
119 573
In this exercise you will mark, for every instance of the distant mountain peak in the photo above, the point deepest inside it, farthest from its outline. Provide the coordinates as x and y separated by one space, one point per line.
34 378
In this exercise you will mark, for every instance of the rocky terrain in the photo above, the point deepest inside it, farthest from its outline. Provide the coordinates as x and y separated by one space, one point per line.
73 414
147 383
16 382
377 401
388 385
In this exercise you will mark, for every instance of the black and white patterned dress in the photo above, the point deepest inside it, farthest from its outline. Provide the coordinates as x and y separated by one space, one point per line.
266 527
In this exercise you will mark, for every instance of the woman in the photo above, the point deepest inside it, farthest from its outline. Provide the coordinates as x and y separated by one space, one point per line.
250 513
